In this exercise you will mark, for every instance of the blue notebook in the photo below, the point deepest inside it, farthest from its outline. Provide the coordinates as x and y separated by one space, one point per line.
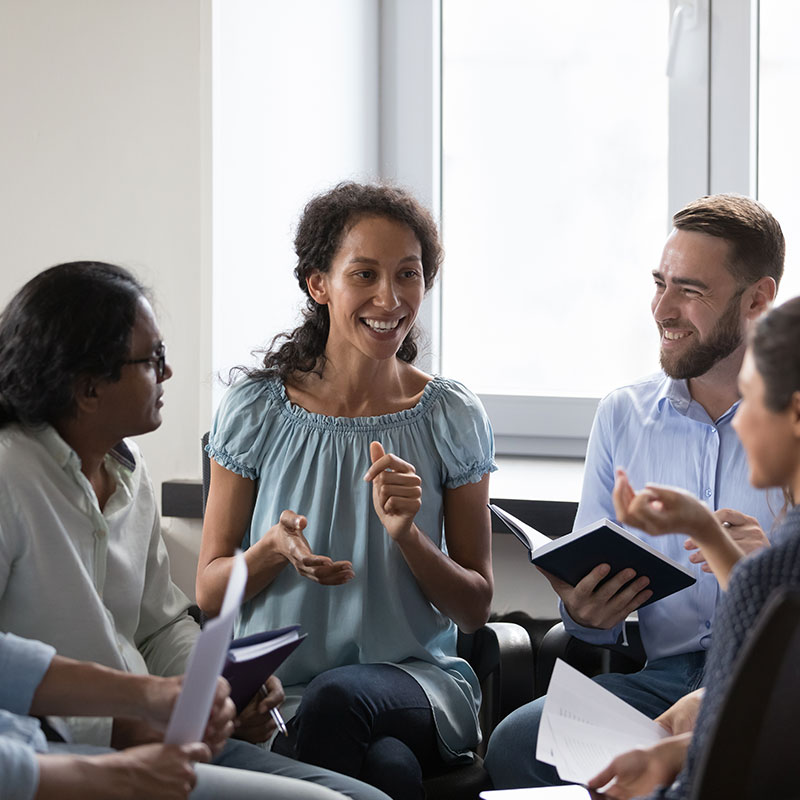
575 555
252 659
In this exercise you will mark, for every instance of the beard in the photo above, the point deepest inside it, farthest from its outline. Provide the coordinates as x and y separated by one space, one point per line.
725 337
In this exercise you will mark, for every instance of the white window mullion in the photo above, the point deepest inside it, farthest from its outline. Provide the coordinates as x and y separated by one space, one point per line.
734 97
410 125
689 110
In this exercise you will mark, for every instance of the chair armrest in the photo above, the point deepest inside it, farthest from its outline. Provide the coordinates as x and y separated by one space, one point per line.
590 659
502 657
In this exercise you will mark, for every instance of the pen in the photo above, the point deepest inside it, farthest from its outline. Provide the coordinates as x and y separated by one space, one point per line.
274 713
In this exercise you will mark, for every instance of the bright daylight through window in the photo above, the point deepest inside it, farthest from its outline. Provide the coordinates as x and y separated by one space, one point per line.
554 192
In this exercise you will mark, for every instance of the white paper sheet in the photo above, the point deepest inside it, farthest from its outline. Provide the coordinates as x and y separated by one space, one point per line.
190 715
584 727
547 793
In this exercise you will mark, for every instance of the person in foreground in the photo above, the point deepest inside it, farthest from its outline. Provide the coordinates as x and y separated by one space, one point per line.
719 271
36 681
83 566
357 486
768 424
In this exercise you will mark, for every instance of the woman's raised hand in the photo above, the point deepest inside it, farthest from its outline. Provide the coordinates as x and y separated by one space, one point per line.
660 509
396 490
288 537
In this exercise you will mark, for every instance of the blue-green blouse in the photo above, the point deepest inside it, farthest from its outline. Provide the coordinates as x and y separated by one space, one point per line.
314 465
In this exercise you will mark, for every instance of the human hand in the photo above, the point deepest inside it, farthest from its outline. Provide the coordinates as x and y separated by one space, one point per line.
594 606
288 539
660 509
743 529
396 491
153 770
160 695
638 772
220 724
255 723
681 716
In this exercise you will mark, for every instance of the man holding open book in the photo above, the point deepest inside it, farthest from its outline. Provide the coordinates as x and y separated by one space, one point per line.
719 271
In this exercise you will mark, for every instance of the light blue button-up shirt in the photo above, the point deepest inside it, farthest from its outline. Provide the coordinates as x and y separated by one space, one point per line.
23 664
658 433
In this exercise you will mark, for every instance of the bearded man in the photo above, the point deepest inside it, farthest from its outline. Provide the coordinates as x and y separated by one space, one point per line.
719 271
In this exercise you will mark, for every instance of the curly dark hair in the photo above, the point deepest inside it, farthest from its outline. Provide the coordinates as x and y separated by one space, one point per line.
325 222
70 321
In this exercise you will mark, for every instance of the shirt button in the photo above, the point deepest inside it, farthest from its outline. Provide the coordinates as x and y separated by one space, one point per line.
708 492
708 623
713 430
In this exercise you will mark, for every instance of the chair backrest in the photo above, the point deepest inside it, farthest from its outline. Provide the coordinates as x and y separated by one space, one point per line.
752 748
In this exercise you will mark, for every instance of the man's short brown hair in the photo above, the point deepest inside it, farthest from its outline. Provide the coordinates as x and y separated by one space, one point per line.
756 239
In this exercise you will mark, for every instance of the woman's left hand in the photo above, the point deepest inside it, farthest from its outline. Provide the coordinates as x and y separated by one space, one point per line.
396 490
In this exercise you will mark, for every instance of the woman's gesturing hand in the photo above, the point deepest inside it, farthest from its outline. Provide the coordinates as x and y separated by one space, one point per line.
396 490
290 542
660 509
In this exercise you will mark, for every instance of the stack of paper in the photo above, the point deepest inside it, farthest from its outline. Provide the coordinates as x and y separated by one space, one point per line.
584 727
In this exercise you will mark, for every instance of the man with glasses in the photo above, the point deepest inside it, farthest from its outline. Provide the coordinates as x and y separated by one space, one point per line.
719 271
83 566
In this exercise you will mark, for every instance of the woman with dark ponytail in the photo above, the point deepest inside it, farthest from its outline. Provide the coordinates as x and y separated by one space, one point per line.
768 424
357 485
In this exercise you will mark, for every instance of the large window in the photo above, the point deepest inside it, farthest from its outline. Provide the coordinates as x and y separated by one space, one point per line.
554 192
779 127
549 138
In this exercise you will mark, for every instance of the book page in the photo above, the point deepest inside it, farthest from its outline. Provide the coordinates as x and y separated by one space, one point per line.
584 726
529 536
190 715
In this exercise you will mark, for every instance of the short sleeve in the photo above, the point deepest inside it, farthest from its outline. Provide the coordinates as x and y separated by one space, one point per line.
240 426
463 436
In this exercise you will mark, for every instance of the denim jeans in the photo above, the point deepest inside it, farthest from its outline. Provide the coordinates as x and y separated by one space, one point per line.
511 754
369 721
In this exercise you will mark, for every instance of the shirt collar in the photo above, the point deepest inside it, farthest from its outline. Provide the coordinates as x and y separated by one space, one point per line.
65 456
676 392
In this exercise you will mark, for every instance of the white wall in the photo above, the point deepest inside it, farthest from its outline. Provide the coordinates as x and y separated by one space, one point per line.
102 156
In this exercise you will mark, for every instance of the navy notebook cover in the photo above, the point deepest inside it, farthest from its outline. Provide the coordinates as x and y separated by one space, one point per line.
575 555
246 677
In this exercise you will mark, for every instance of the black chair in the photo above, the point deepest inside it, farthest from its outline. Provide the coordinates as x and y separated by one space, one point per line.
502 657
590 659
751 751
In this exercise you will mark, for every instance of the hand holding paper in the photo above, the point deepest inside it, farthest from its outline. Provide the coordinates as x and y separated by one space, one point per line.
584 727
192 710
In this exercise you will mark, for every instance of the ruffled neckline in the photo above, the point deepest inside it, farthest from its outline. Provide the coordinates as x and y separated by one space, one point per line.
302 416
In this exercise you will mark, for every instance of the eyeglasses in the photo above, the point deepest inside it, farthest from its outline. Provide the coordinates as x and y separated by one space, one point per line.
159 361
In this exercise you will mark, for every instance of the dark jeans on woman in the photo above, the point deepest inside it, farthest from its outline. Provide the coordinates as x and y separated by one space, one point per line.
368 721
